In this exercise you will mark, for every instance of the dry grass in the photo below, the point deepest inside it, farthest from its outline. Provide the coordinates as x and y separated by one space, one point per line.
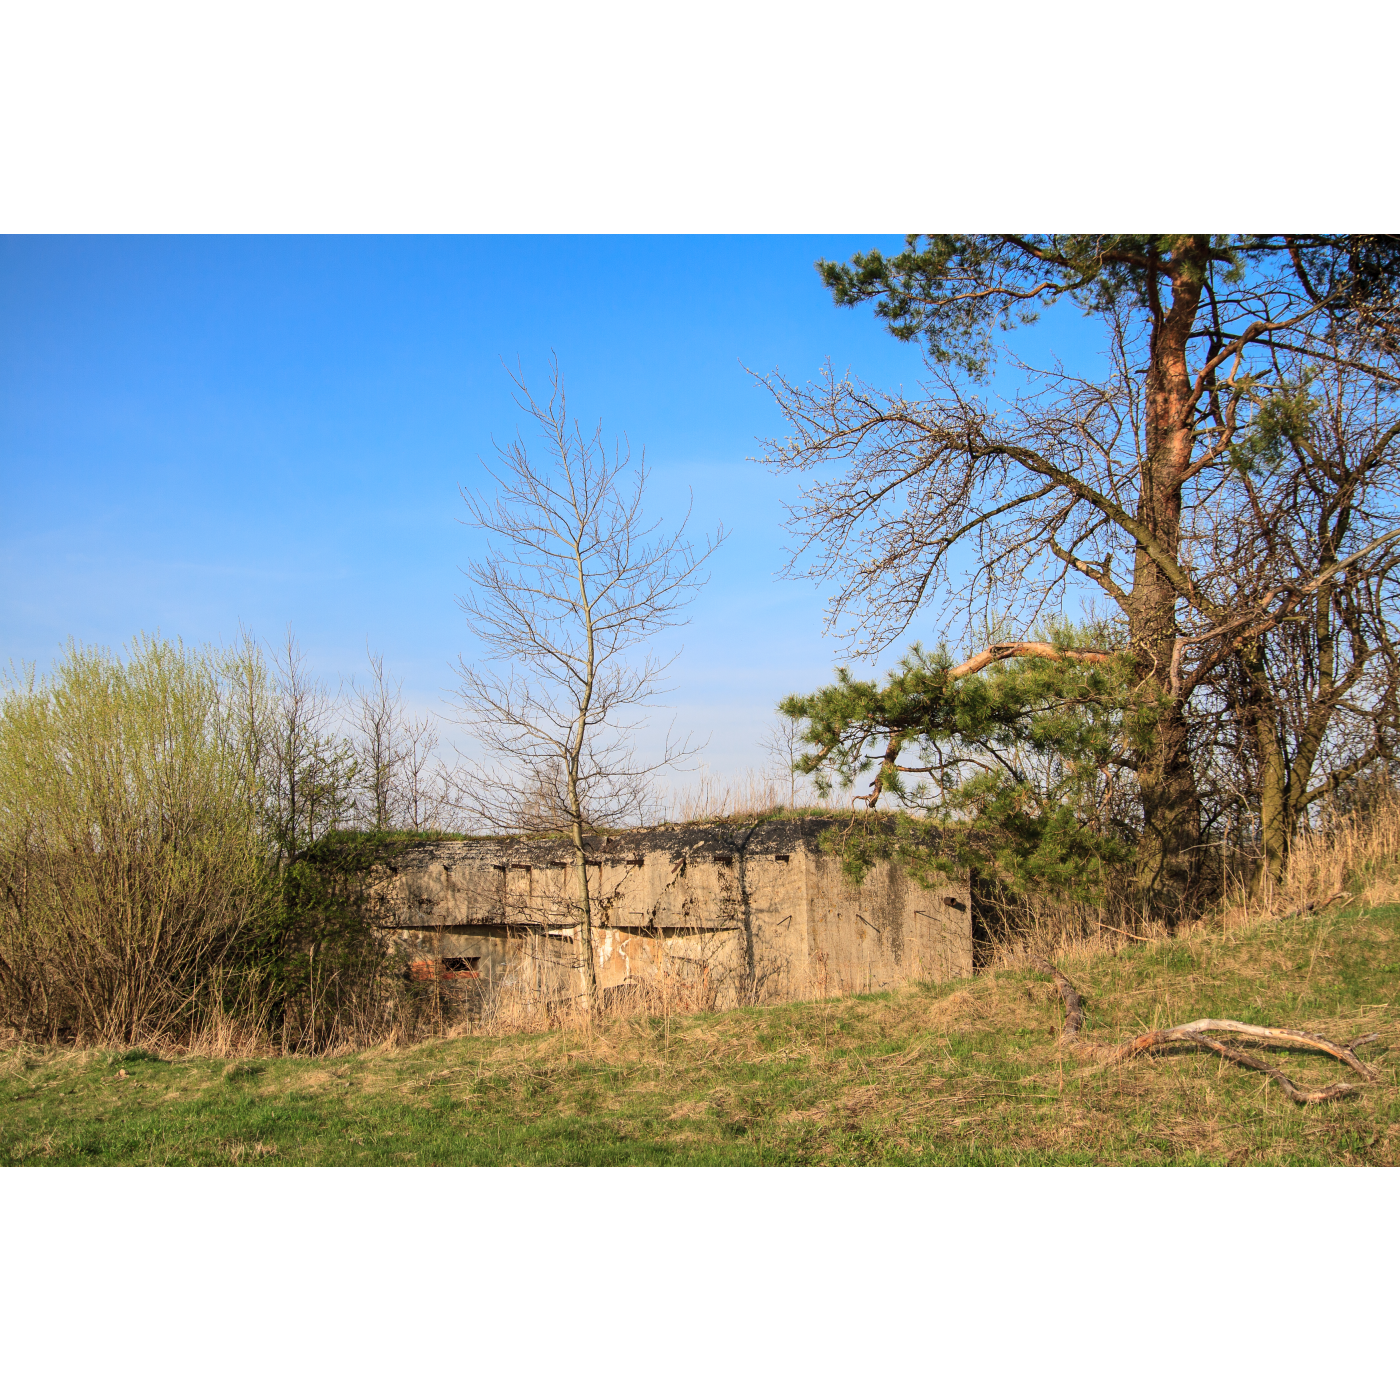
1356 854
1355 851
755 794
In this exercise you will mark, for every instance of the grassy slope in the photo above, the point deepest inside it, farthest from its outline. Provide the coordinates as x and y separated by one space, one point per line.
966 1073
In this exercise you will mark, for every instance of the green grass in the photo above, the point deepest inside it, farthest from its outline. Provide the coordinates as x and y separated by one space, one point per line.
961 1073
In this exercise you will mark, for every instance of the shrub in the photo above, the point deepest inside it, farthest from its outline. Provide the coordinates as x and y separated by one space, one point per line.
132 871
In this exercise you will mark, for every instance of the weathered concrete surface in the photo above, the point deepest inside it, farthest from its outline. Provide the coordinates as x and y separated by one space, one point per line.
754 911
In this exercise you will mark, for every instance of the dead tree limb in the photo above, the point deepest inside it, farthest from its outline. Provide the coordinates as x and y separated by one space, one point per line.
1004 651
1127 933
1315 906
1332 1091
1272 1035
1074 1008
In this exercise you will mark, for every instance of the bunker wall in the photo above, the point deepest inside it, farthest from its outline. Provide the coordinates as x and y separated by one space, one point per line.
762 914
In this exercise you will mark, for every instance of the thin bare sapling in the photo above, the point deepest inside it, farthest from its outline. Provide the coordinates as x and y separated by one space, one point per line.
572 585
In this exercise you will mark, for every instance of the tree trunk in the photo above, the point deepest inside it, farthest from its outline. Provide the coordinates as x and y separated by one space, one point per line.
588 972
1276 820
1284 783
1167 856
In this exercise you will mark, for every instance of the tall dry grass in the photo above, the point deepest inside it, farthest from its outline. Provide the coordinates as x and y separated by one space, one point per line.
753 794
1354 855
1012 931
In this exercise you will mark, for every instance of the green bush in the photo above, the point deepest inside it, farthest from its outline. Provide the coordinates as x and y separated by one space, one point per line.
169 853
133 875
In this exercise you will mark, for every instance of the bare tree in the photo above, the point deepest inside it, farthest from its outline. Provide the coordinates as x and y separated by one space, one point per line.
573 584
423 782
1305 559
300 770
394 752
784 747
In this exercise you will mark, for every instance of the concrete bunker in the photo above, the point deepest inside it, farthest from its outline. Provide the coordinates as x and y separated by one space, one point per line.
740 912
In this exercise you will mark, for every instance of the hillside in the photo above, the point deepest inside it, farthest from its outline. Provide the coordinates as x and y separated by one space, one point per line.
970 1072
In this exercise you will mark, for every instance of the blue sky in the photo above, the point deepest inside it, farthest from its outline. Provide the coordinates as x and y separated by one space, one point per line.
201 432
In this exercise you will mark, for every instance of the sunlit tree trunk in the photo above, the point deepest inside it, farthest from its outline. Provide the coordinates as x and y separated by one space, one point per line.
1170 805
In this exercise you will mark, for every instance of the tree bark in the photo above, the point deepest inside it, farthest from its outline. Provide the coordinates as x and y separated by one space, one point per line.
1002 651
1276 820
588 971
1171 808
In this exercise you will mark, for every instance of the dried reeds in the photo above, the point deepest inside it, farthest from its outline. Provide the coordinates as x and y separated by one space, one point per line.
754 794
1350 854
1359 849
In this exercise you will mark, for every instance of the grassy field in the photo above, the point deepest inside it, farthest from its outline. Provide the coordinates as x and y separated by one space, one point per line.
961 1073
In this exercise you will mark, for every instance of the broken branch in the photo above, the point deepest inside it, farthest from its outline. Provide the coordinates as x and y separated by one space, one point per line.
1315 906
1127 933
1332 1091
1003 651
1074 1007
1273 1035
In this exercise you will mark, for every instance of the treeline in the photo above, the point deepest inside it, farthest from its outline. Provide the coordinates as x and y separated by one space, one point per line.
184 834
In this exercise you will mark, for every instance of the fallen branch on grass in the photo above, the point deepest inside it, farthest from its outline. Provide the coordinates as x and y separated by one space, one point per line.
1195 1034
1315 906
1274 1035
1332 1091
1074 1008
